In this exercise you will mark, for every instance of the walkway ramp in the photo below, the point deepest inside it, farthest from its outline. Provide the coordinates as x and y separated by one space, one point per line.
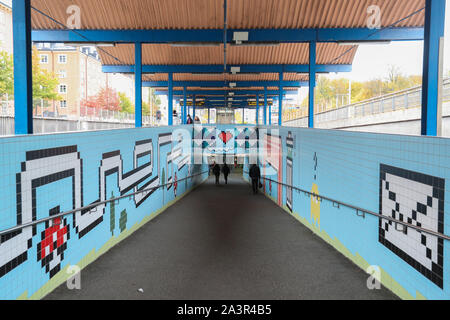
221 242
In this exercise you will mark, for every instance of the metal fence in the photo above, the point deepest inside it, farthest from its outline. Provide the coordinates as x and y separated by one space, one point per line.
51 123
402 100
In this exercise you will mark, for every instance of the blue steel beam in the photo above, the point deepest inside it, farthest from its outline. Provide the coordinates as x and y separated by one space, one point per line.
257 109
215 68
312 83
184 105
265 106
432 68
280 100
170 100
23 84
138 84
217 35
218 84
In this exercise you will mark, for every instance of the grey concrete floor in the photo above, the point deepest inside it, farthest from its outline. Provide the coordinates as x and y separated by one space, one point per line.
221 242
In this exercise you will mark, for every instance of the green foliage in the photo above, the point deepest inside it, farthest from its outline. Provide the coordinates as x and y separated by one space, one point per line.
327 90
125 103
6 73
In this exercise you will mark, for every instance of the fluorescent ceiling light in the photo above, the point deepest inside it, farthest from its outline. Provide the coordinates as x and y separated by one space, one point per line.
195 44
232 84
359 43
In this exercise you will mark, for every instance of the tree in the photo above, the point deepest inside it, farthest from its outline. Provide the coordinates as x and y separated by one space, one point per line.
6 74
108 99
125 103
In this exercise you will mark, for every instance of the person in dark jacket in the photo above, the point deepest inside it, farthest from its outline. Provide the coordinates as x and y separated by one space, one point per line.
216 171
189 119
226 172
255 175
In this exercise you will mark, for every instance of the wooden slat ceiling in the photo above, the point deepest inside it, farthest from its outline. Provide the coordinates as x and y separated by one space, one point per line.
242 14
285 53
225 77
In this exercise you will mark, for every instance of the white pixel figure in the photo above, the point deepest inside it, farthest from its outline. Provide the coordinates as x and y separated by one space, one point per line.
417 203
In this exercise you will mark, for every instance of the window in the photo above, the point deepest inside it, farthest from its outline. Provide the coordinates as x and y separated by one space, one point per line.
62 74
62 88
44 58
62 58
63 104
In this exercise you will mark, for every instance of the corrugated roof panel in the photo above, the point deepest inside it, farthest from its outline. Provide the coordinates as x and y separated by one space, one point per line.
227 77
242 14
285 53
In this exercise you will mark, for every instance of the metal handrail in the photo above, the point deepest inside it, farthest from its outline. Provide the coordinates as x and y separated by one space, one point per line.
360 211
96 204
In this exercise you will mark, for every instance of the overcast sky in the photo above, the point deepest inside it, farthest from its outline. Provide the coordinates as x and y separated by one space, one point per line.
372 61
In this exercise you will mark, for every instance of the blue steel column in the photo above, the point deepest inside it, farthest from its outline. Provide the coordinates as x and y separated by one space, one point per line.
183 116
265 106
170 100
434 31
280 101
193 108
312 83
270 113
257 109
23 82
138 84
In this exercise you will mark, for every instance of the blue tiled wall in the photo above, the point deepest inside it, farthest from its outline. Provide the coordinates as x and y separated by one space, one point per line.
46 174
352 168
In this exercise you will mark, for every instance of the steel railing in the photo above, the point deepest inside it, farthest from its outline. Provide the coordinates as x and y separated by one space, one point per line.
92 205
401 100
361 212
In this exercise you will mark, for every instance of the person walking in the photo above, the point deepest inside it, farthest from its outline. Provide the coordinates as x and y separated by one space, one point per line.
216 171
226 172
189 119
255 175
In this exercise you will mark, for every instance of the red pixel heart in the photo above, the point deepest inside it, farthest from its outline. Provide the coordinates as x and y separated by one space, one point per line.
225 136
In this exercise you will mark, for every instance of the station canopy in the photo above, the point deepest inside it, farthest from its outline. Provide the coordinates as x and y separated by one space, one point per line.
281 29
